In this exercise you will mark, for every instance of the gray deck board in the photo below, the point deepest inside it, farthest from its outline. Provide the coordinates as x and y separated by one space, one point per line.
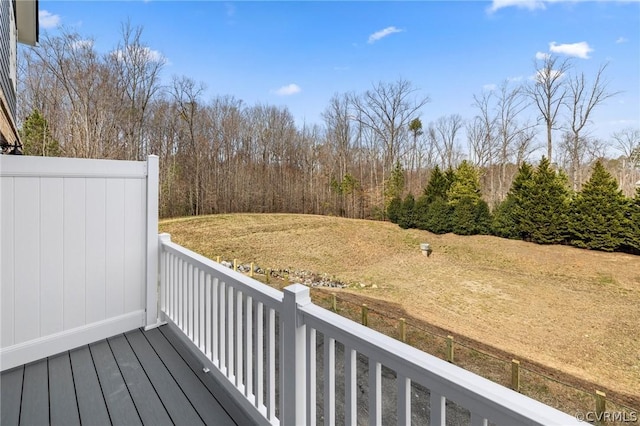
62 400
202 400
144 396
10 396
172 396
119 403
35 394
91 405
229 404
140 377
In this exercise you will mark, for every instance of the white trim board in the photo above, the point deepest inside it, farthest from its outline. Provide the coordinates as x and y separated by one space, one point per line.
33 350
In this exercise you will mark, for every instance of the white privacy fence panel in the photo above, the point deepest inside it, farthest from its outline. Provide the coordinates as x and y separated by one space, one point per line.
278 354
73 253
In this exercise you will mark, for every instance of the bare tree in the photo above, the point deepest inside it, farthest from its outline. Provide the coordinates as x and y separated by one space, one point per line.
627 141
548 92
186 95
510 103
576 155
581 100
85 112
483 138
338 131
137 69
387 110
481 130
445 133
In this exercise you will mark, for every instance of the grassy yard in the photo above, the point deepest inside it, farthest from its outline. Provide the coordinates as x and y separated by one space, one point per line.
573 310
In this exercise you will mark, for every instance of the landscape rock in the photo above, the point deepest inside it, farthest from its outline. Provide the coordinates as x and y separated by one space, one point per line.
308 278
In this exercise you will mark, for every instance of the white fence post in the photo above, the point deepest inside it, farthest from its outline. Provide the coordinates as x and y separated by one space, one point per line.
151 319
294 356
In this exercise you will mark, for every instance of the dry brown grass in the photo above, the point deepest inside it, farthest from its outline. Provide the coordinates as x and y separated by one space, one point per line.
573 310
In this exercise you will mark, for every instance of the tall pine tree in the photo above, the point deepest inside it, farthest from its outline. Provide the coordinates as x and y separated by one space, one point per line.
598 220
433 212
545 209
408 213
470 213
438 185
465 185
509 215
36 137
632 231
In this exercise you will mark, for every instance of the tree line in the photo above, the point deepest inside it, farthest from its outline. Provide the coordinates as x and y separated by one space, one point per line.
539 207
221 155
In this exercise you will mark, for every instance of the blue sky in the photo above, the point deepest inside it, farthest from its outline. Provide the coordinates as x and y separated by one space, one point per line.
298 54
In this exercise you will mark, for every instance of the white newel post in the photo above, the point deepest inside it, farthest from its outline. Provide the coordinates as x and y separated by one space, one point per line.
163 271
151 319
294 396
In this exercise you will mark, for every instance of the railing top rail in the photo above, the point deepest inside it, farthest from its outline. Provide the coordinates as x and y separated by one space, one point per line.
26 166
261 293
477 394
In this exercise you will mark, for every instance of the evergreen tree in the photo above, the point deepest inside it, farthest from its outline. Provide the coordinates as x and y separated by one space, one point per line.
545 209
465 185
470 214
36 137
632 231
598 219
395 183
394 210
408 215
483 218
463 216
509 215
438 186
422 212
504 224
438 218
433 212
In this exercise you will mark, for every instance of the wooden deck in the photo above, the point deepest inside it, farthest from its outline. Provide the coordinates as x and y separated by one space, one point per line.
140 377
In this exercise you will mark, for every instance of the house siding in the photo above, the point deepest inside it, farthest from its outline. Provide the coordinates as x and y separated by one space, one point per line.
7 88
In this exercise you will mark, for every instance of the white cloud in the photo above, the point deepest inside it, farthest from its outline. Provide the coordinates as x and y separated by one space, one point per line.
541 75
535 4
579 50
288 90
143 51
48 19
541 56
522 4
489 87
383 33
622 40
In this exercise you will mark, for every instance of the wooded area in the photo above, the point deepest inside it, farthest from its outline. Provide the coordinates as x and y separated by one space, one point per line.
222 156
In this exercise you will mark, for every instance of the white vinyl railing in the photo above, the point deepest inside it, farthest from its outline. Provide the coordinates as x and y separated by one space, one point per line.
262 344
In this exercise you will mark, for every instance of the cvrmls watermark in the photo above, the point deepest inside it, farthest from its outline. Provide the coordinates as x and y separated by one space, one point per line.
607 416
